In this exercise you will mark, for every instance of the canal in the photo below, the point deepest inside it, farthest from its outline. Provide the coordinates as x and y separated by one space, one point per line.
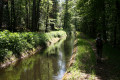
48 64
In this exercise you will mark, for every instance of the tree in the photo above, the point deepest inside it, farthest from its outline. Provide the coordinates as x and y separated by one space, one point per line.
100 16
47 17
27 14
13 17
21 15
54 11
38 13
7 16
1 12
34 16
66 15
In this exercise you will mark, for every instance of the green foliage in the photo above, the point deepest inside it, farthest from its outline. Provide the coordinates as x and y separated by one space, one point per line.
19 14
68 16
4 53
85 59
100 16
15 43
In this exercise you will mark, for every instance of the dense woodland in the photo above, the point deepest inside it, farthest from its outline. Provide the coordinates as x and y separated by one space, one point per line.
26 24
95 16
88 16
100 16
30 15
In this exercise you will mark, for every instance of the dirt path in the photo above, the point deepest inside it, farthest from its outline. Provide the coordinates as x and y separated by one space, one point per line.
103 71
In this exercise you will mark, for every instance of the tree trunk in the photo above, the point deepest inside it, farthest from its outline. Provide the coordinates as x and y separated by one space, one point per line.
66 16
38 14
29 21
47 21
27 15
1 12
115 36
118 17
13 17
117 21
8 16
20 13
34 16
103 23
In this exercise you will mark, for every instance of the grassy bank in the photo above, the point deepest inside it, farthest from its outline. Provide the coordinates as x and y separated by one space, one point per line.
83 67
17 43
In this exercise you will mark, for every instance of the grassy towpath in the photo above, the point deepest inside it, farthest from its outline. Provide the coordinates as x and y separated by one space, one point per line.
83 64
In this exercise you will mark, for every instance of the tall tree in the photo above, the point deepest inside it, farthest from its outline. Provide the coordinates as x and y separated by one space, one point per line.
47 16
8 15
34 16
38 13
1 12
13 17
54 11
27 13
103 20
117 16
66 15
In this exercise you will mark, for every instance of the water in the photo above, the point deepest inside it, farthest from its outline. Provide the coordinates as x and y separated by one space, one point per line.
49 64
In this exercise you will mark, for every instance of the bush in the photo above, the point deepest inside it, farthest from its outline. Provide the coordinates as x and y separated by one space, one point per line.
15 43
5 53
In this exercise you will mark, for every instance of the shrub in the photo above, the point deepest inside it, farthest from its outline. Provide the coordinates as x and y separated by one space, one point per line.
5 53
15 43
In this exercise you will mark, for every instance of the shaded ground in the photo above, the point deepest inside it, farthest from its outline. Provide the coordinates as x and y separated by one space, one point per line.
103 71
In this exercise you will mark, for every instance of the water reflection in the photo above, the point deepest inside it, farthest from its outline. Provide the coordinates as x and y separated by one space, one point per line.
48 65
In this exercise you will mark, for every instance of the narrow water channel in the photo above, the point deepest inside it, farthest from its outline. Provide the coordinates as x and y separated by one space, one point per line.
49 64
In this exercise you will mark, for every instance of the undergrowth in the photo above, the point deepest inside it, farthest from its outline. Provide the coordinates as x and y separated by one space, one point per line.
16 43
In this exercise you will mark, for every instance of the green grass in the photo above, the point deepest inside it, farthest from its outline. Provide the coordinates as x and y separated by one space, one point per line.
86 62
53 47
85 59
16 43
85 56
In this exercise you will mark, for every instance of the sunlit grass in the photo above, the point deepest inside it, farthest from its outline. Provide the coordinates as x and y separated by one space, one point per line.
53 47
85 61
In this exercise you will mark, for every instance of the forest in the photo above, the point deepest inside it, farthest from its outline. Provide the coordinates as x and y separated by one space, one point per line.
101 16
26 25
88 16
27 15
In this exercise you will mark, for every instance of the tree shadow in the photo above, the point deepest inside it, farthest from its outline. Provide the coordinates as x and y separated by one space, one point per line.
109 69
